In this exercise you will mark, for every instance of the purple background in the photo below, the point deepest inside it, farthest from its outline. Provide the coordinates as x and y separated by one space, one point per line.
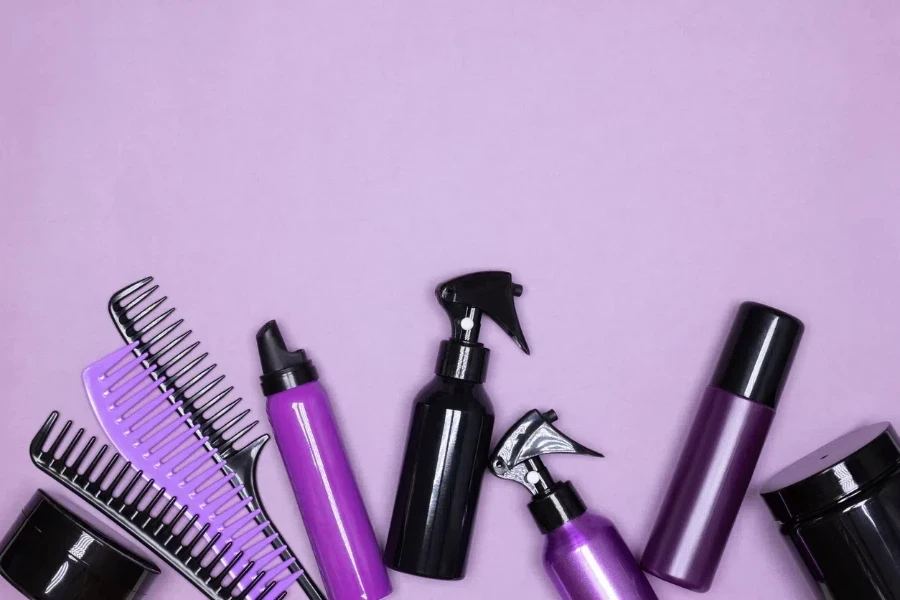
639 168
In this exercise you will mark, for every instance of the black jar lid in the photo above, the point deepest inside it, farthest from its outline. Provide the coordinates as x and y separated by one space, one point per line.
51 553
832 473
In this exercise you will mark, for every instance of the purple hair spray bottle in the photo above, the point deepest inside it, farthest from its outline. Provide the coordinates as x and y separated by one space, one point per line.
714 470
584 555
339 530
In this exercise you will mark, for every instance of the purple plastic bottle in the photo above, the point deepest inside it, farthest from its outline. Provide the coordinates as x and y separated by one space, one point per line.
585 556
722 448
339 529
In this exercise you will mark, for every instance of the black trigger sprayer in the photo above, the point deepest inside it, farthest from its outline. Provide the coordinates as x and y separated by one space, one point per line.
450 433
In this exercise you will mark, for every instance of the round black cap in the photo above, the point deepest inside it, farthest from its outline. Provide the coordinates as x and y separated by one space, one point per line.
838 469
556 507
758 353
52 554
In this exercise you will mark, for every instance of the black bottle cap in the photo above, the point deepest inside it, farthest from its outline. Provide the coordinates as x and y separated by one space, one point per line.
282 369
556 507
50 553
758 353
835 471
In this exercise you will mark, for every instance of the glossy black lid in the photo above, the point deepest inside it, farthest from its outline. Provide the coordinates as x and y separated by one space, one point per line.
282 369
834 472
758 353
51 553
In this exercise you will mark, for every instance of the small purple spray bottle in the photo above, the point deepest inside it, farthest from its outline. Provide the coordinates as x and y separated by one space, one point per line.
585 556
339 530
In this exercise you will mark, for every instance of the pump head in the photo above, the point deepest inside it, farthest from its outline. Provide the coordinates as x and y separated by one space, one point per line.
517 457
465 299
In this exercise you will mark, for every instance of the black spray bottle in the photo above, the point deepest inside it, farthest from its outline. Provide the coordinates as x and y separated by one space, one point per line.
450 434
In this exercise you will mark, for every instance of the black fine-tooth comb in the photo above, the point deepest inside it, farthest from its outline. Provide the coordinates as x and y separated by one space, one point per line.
121 493
197 395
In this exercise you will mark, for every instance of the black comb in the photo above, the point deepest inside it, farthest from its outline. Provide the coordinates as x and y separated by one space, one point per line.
122 493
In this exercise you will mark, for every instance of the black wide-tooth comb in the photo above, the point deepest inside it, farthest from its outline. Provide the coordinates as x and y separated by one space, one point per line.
154 522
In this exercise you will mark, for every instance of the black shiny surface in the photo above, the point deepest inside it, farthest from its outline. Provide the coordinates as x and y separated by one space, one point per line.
282 369
758 353
844 521
446 456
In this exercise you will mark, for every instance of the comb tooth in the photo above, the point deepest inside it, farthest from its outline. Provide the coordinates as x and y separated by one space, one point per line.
112 374
148 445
213 487
207 423
256 579
207 570
178 357
129 422
112 397
170 531
154 358
38 442
137 476
258 546
137 300
248 535
230 441
254 446
158 336
147 310
266 558
229 567
94 463
278 591
185 454
221 431
237 578
148 485
99 370
206 388
118 478
155 321
130 289
221 500
193 380
172 445
230 530
141 394
83 454
195 541
225 516
160 493
205 474
64 459
212 401
265 577
186 530
59 438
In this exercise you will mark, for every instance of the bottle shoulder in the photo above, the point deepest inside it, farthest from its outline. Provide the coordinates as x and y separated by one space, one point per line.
579 532
454 394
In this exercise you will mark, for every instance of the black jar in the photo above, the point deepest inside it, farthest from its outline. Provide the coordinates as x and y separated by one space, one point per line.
840 508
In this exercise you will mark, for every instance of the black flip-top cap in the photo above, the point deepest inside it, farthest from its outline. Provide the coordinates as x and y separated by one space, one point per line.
52 554
283 369
758 353
837 470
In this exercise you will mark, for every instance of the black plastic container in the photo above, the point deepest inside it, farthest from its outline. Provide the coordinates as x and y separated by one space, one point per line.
52 554
840 508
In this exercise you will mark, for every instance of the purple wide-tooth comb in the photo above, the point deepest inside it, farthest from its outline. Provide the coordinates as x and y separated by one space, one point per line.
156 436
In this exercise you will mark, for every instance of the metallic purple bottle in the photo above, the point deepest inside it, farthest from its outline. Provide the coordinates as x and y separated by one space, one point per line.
722 448
585 556
339 530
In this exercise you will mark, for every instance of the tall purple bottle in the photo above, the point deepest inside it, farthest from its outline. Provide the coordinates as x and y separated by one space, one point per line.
585 557
339 530
720 454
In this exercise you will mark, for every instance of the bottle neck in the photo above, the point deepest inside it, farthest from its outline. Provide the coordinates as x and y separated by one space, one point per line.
466 361
557 506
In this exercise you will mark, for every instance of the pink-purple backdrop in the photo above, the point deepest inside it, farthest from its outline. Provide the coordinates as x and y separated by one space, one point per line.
640 168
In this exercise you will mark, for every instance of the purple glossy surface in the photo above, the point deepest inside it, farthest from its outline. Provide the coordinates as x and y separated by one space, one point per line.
707 489
339 529
587 559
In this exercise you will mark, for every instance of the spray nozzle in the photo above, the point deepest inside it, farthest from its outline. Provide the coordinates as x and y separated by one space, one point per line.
517 455
465 299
